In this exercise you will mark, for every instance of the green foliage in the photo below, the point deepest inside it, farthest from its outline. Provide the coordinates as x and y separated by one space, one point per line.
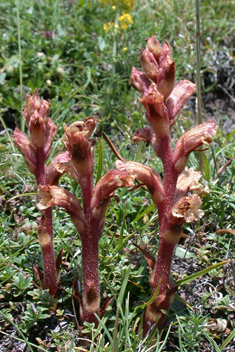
32 315
190 331
21 283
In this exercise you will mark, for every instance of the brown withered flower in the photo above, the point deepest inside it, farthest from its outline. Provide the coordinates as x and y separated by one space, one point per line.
187 209
79 145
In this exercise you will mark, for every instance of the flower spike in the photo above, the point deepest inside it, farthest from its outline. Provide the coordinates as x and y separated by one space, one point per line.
177 195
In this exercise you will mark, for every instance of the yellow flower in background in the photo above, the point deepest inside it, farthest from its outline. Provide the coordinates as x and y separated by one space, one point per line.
109 2
107 26
125 20
110 26
126 5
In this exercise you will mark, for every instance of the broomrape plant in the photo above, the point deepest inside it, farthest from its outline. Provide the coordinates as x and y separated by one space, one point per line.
35 152
163 100
78 163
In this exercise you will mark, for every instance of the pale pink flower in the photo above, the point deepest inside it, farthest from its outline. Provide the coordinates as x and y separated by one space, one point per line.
187 210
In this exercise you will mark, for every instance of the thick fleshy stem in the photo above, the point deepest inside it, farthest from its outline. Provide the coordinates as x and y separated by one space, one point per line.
46 228
90 249
90 275
160 277
160 280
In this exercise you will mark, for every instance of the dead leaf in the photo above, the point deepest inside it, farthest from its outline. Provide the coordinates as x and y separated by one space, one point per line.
223 231
148 256
105 305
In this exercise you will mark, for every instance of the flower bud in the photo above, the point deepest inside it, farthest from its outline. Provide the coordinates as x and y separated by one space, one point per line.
37 130
112 180
145 175
144 134
191 140
29 108
80 147
154 46
42 129
139 80
166 54
49 136
26 148
44 109
156 111
162 70
180 94
149 64
153 100
36 100
166 79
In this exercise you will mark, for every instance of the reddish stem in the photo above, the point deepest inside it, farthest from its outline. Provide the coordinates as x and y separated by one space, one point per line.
40 167
162 269
90 242
160 279
50 279
90 276
160 276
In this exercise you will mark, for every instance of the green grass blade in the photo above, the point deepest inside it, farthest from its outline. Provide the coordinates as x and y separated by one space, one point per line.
22 121
23 195
159 349
127 335
148 210
142 306
192 277
100 161
180 341
8 134
183 301
229 136
120 242
206 168
119 303
138 153
227 340
105 329
151 299
213 343
53 117
71 343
